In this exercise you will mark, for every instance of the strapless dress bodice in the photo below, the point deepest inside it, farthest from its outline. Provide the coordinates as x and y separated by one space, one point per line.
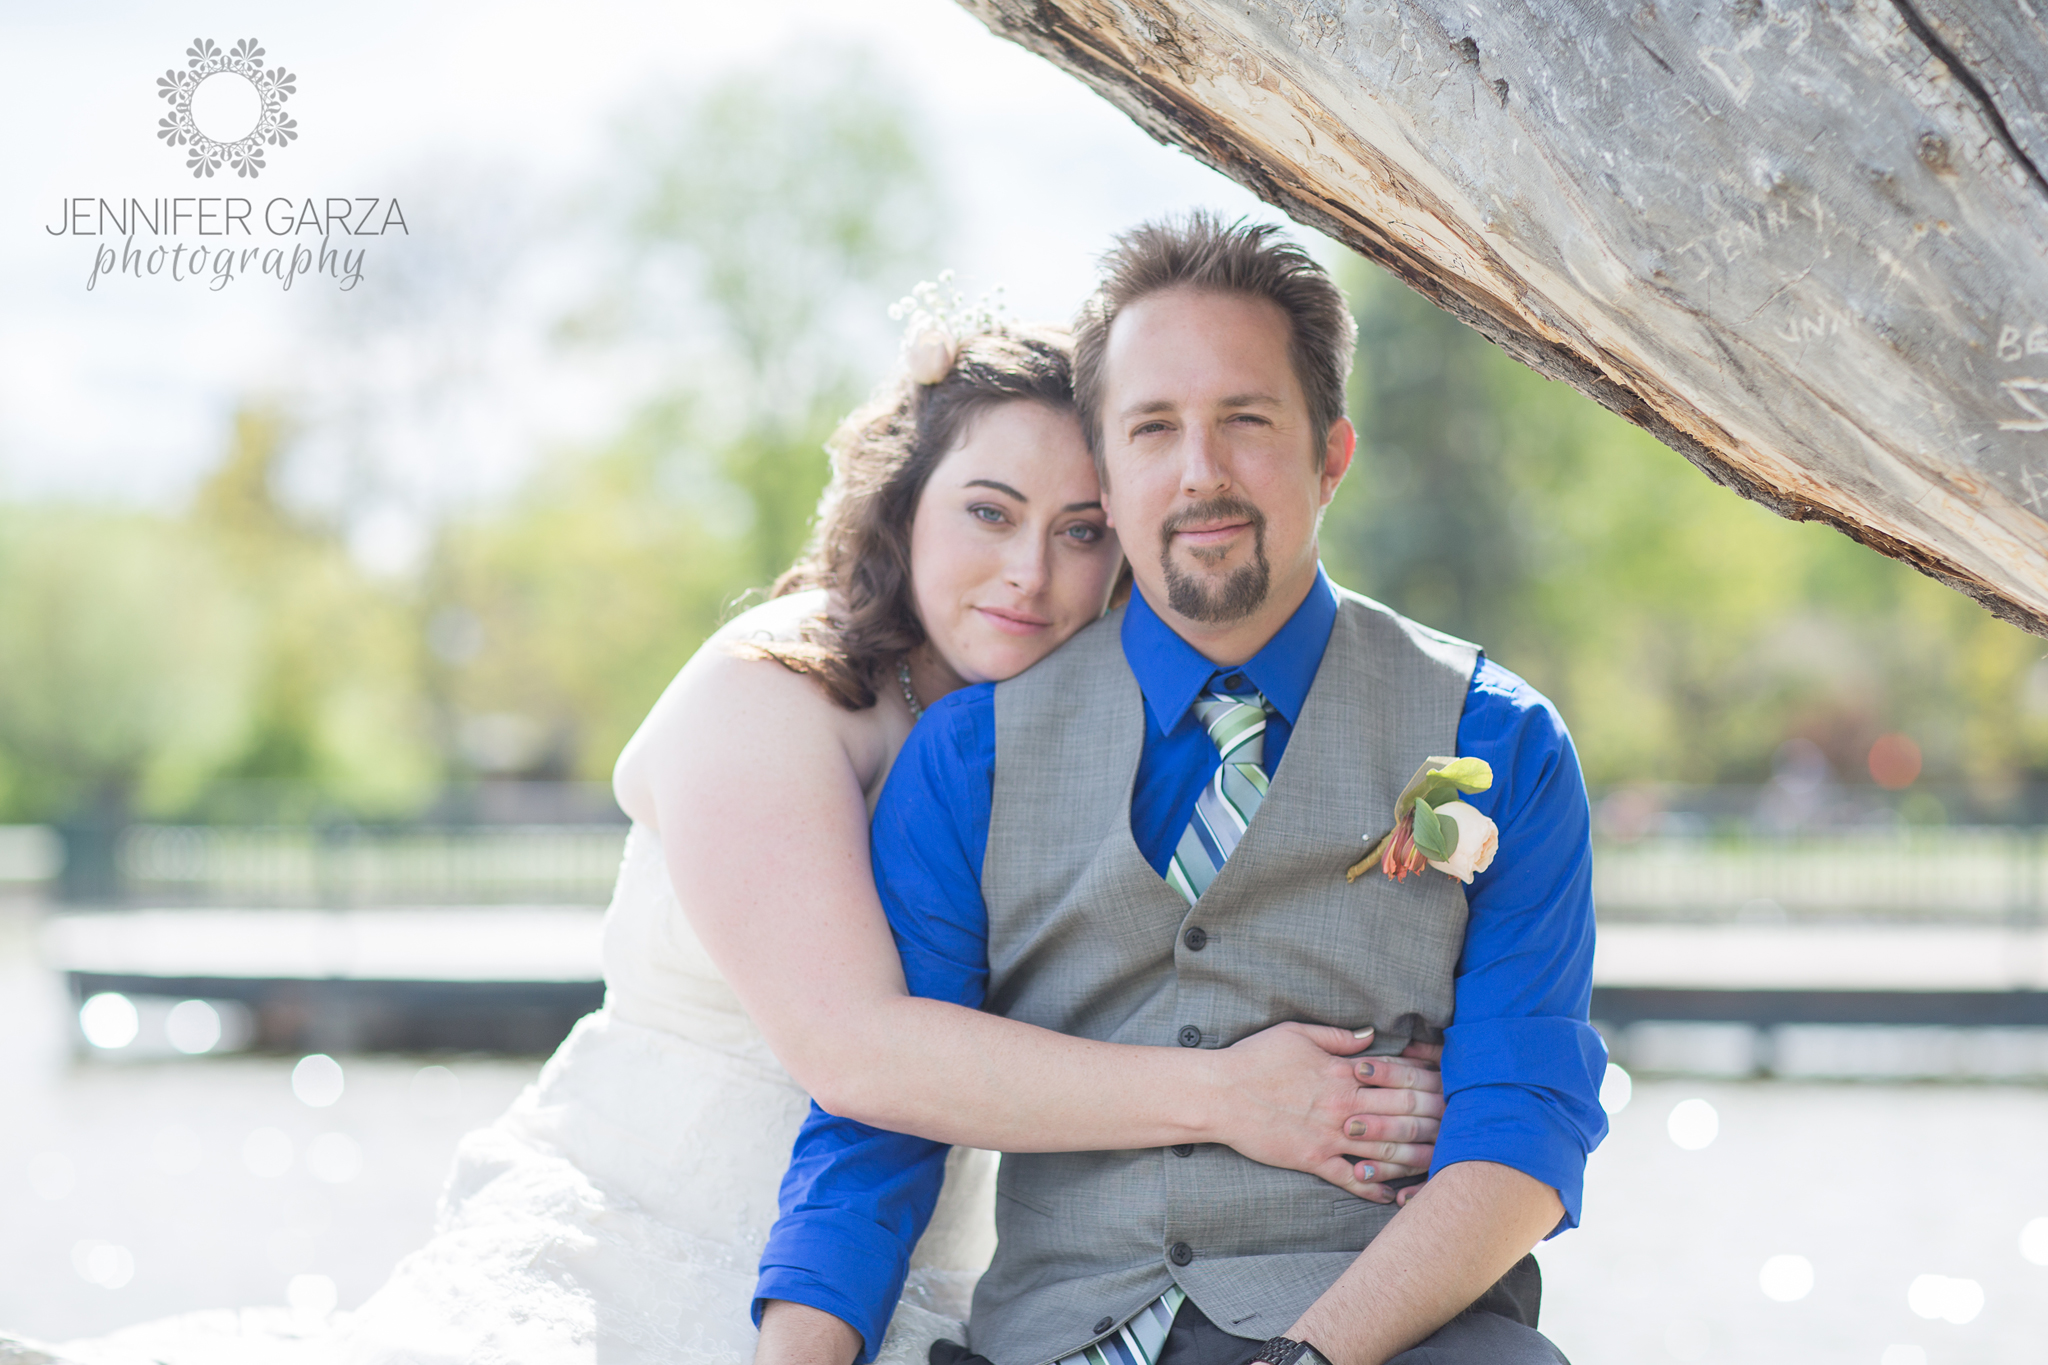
657 974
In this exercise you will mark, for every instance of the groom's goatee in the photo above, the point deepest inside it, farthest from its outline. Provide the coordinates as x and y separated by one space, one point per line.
1242 592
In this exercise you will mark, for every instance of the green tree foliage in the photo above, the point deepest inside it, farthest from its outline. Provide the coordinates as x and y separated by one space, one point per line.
125 662
160 665
335 718
560 618
236 662
771 219
1684 632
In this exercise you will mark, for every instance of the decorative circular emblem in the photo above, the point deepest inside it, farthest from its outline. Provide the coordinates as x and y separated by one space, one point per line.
225 106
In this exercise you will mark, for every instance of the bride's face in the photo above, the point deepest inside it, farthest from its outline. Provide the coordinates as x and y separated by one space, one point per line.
1010 553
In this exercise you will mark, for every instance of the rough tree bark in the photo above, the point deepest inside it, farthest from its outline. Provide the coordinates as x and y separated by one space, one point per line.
1803 242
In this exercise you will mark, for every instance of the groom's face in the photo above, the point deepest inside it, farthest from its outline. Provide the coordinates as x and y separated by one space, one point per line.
1214 483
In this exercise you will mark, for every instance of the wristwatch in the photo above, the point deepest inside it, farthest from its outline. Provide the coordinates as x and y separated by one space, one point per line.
1288 1351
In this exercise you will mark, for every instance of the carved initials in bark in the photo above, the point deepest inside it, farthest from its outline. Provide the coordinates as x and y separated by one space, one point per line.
1803 242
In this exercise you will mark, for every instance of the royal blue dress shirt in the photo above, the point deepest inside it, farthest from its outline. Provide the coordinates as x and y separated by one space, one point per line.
1522 1067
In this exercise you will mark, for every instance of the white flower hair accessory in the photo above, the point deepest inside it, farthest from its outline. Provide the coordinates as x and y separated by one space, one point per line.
938 316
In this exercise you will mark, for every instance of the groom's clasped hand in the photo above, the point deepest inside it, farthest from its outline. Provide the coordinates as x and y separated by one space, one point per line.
1374 1121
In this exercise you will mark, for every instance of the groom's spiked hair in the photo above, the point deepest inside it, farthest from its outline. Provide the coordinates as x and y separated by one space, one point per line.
1200 251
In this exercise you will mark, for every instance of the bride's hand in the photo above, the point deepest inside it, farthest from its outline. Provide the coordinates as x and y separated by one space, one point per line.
1301 1098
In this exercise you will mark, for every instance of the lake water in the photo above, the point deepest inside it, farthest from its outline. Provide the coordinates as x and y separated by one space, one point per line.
139 1189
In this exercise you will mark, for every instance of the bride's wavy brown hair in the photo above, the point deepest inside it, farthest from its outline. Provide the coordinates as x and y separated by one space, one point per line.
883 454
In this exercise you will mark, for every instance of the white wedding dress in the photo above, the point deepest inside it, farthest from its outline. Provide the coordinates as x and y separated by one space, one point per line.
615 1214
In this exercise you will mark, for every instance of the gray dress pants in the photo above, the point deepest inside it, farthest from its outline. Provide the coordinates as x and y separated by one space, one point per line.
1500 1329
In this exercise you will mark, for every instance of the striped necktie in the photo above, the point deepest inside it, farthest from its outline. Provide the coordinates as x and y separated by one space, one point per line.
1137 1342
1236 722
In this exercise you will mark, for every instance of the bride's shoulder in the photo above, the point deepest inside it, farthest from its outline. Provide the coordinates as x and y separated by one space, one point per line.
777 619
726 694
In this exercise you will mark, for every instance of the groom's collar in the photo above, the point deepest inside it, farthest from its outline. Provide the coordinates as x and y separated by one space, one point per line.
1172 673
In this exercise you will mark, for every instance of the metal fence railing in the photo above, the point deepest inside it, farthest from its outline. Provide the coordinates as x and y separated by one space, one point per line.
556 864
1981 875
1984 875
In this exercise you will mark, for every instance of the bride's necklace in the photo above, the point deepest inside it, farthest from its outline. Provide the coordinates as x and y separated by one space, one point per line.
909 692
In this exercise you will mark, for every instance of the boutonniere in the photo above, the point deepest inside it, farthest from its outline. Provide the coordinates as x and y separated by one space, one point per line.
1433 828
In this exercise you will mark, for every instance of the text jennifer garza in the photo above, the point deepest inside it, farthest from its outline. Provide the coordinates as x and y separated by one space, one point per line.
219 263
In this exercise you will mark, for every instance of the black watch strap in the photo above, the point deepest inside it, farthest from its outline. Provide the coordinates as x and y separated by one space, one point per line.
1288 1351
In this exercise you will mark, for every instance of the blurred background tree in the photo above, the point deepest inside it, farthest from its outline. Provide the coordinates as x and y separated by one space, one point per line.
768 223
1687 635
238 662
249 659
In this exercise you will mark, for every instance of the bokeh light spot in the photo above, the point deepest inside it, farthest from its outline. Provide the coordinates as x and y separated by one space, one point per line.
1694 1124
2034 1241
1615 1089
311 1296
317 1080
334 1158
436 1090
1786 1278
1688 1340
193 1026
1951 1300
103 1264
267 1153
1894 762
51 1175
109 1020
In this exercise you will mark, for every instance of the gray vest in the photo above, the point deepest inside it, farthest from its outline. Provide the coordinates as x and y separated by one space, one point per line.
1085 937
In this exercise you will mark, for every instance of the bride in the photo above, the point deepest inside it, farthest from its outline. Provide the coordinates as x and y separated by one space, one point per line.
616 1213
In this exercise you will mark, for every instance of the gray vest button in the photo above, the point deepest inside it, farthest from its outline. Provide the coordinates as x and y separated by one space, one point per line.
1103 1325
1197 938
1190 1036
1183 1149
1180 1253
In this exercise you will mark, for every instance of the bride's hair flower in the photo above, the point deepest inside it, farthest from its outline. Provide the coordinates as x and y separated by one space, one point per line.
938 319
928 355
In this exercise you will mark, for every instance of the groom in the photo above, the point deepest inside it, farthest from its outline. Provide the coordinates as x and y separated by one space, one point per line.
1109 845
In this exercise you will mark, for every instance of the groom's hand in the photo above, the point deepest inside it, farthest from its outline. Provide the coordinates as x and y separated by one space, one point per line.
1409 1107
1302 1099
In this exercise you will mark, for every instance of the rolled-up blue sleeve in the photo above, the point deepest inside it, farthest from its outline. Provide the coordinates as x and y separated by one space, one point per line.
1522 1066
855 1199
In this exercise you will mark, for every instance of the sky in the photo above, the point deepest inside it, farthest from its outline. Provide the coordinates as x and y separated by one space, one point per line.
121 389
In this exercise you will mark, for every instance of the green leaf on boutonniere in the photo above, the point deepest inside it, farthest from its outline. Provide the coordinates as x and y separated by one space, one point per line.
1443 779
1435 837
1459 777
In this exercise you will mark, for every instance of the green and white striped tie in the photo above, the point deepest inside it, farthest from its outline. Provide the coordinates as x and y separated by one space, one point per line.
1237 725
1137 1342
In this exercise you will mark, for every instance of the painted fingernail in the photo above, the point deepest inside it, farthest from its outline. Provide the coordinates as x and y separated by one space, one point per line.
1362 1033
1365 1068
1354 1129
1364 1171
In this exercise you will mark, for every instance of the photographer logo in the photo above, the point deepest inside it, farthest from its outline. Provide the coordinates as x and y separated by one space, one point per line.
226 107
